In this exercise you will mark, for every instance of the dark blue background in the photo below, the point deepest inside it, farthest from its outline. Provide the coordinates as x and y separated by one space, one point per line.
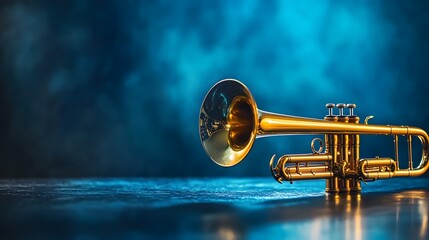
113 88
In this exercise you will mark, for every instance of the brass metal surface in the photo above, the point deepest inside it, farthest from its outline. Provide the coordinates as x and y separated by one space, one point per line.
230 122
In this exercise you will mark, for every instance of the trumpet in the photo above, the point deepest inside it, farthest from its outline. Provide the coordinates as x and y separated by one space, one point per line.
230 121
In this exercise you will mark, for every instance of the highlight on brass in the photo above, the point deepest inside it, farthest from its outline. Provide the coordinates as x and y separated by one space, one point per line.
230 122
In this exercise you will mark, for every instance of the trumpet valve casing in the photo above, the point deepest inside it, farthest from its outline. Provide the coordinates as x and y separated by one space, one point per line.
331 147
354 142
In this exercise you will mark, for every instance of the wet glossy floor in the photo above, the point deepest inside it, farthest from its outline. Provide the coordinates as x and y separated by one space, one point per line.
211 208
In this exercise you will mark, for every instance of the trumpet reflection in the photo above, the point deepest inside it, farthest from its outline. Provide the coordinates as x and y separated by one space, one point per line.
402 215
346 210
417 198
360 218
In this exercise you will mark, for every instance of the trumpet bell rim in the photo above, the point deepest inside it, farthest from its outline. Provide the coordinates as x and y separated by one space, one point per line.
228 122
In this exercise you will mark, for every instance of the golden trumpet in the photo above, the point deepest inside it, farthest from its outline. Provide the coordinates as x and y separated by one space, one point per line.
230 122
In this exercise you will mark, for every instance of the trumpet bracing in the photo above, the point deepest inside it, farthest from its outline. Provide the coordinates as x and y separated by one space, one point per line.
230 122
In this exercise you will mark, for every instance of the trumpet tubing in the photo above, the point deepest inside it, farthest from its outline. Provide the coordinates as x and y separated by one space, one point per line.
230 122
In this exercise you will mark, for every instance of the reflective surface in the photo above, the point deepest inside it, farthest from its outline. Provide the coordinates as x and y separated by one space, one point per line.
211 208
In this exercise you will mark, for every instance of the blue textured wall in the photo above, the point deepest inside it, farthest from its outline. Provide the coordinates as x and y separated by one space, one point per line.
113 88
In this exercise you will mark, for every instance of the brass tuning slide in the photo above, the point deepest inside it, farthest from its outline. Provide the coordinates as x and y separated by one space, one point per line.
230 122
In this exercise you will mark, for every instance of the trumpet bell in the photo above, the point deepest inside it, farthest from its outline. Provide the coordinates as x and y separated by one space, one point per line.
228 122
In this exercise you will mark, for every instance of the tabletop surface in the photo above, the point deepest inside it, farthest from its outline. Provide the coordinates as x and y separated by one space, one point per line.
212 208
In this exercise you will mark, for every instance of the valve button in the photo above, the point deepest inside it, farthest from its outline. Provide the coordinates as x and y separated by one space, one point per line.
351 106
341 107
330 105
